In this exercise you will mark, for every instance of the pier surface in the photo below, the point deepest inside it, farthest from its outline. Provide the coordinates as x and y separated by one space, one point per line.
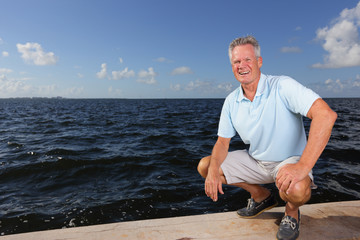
336 220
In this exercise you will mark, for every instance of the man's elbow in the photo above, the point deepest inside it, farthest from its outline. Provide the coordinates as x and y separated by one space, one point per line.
331 115
321 110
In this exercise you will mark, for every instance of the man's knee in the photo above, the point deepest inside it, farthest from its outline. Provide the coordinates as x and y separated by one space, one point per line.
203 166
300 194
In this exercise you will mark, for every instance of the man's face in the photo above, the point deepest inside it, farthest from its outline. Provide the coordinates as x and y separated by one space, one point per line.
245 66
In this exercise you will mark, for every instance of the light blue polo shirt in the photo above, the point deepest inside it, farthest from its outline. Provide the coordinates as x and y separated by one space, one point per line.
272 124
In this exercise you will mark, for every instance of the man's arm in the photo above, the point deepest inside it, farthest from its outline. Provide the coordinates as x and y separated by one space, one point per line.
322 122
213 182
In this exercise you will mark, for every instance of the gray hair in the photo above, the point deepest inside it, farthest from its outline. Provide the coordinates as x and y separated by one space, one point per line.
243 41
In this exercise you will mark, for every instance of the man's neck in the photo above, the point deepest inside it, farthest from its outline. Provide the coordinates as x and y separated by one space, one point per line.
249 90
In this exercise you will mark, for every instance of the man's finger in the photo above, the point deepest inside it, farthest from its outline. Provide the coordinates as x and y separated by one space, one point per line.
214 193
289 189
280 182
284 184
291 186
220 188
208 189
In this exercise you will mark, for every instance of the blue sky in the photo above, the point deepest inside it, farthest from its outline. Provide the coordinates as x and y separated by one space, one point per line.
172 49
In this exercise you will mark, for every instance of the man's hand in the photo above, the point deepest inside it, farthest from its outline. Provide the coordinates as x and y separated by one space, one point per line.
213 184
289 175
213 181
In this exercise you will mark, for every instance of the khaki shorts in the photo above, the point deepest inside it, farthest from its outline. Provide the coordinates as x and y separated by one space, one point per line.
239 167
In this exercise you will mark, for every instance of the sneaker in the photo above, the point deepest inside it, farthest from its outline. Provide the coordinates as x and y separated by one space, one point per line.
289 228
253 208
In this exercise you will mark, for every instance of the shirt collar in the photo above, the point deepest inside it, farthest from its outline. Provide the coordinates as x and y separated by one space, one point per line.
259 91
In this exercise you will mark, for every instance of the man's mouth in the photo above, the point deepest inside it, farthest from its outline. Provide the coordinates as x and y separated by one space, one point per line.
243 73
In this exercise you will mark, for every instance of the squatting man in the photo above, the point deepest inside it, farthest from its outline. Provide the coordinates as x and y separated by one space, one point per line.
266 111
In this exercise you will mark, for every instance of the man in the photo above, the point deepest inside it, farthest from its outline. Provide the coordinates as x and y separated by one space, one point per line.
266 111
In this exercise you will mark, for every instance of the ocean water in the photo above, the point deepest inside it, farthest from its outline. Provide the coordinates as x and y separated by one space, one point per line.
67 163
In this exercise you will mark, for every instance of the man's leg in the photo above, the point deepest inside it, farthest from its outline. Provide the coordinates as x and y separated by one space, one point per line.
289 226
297 198
257 192
301 192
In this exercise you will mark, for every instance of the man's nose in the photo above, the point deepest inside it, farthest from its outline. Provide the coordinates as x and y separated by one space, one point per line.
241 65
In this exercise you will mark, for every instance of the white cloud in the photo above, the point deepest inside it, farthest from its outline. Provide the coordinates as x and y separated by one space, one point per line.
1 41
47 90
356 83
115 92
338 87
209 88
162 59
175 87
103 72
117 75
335 86
290 50
74 91
225 86
149 73
54 90
198 84
181 71
147 77
149 81
33 53
341 40
5 70
121 60
298 28
80 75
5 54
8 87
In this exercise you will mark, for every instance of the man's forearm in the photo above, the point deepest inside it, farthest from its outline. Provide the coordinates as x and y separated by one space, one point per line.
323 119
219 153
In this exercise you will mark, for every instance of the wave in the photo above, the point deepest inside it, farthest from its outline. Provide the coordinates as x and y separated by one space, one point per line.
69 163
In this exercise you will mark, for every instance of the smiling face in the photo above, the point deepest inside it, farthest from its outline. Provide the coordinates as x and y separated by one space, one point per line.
245 65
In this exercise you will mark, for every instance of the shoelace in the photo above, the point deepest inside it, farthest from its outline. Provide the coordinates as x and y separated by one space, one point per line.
250 203
287 221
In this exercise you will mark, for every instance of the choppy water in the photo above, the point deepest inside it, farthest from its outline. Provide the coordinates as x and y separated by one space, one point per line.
66 163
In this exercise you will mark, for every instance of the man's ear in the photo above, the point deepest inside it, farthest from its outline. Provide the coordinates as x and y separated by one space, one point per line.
260 61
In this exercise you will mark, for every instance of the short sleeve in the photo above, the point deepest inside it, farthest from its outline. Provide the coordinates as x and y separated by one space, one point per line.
297 97
226 128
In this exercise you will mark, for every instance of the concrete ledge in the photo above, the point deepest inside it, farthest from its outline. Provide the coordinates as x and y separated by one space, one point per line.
338 220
